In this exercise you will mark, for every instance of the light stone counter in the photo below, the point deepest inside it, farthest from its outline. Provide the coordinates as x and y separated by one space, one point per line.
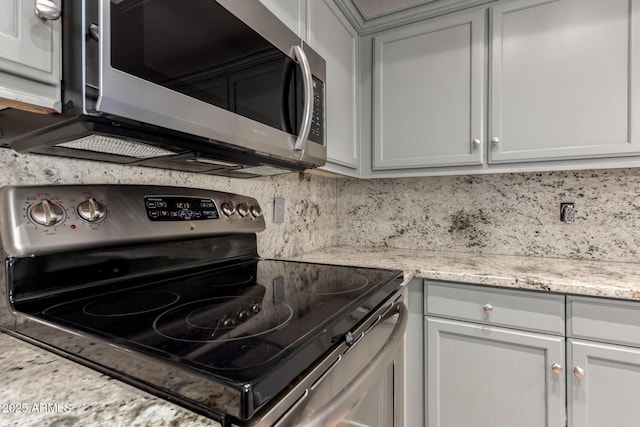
74 395
39 388
571 276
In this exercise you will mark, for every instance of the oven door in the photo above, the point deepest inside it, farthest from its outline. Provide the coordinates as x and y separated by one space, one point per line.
223 70
362 387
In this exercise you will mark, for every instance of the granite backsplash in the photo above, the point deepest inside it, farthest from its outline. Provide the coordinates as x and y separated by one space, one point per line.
513 214
310 200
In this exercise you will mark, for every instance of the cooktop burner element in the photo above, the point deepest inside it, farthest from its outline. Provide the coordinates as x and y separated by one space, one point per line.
184 308
232 281
135 303
353 284
222 319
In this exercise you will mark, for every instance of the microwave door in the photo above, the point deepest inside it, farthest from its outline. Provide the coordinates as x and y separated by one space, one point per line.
203 71
287 102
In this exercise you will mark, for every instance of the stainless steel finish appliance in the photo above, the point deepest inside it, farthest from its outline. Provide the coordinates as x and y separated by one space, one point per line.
163 288
220 87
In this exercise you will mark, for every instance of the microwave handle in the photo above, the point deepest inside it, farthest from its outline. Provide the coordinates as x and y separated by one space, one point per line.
307 83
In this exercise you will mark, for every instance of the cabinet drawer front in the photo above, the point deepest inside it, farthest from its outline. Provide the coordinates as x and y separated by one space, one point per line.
604 320
527 310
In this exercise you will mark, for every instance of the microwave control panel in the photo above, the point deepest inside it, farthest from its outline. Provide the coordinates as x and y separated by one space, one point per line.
317 119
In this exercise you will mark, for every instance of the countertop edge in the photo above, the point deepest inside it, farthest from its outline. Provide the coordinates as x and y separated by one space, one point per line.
603 279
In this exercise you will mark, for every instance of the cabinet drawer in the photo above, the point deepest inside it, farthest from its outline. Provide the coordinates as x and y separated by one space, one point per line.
526 310
604 320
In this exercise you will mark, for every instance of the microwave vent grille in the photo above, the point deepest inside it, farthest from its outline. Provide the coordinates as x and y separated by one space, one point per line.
116 146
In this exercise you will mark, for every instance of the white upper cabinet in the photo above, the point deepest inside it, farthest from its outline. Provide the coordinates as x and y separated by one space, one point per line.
564 79
331 35
563 90
30 57
291 12
428 93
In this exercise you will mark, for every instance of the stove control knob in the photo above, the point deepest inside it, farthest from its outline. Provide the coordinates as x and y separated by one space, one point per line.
46 213
228 322
255 211
92 211
243 209
255 308
227 208
242 315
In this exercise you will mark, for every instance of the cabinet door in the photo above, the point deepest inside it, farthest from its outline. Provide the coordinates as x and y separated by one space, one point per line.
606 394
331 35
428 93
291 12
29 55
28 44
485 376
564 79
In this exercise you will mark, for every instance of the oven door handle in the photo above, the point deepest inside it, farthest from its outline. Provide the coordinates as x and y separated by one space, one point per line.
331 413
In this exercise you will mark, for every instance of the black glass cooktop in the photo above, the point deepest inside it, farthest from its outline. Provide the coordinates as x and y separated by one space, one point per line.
254 325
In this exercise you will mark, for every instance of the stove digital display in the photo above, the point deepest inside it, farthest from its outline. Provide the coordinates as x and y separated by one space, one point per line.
169 208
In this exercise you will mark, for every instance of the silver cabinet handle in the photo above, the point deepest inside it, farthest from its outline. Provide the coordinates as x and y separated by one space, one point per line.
495 140
475 144
579 372
556 368
487 308
46 10
307 83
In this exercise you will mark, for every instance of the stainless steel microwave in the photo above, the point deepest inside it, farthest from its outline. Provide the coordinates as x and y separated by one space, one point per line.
219 87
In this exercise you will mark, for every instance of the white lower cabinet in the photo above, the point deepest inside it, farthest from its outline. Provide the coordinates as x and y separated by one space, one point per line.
481 375
604 384
603 368
485 365
494 357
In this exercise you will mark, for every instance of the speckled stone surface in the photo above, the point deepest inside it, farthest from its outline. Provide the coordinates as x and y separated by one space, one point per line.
310 200
514 214
40 388
579 277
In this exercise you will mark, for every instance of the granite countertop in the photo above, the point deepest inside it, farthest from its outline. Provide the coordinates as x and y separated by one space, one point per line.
40 388
570 276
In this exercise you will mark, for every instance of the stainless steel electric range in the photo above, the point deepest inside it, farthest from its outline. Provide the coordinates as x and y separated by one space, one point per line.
162 287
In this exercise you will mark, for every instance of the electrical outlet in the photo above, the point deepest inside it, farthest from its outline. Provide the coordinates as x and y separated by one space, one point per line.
278 210
567 213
